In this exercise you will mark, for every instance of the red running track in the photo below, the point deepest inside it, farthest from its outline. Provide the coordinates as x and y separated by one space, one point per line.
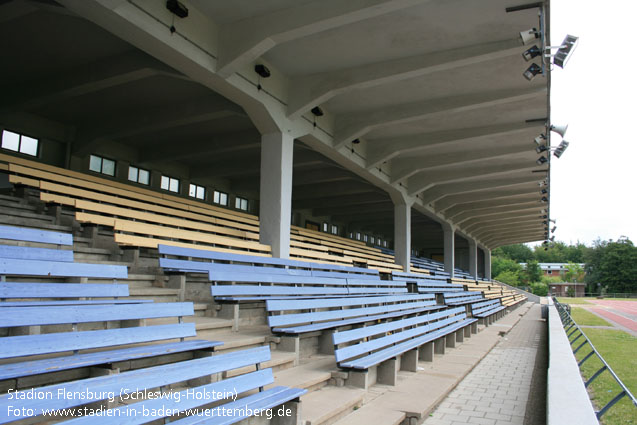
622 312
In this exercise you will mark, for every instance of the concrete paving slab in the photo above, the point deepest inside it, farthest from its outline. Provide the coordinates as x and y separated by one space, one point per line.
330 404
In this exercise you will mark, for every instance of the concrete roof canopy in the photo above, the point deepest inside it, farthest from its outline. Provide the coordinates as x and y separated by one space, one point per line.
432 89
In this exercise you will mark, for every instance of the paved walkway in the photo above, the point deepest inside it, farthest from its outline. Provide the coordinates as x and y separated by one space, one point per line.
508 386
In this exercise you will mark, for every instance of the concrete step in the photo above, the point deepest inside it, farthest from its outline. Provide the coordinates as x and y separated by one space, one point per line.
154 293
313 374
371 414
201 309
233 341
10 211
329 404
201 323
34 223
280 361
19 205
10 199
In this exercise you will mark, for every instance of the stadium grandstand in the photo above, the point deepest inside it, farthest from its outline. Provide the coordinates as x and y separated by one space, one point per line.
269 212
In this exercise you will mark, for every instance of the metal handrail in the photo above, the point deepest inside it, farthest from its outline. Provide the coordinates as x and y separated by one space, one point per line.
570 326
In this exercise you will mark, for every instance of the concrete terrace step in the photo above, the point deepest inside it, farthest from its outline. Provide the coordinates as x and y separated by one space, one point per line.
329 404
370 414
280 361
201 323
233 341
39 224
314 373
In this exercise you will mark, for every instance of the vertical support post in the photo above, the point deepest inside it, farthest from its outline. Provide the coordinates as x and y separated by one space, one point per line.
402 232
449 245
276 192
487 263
473 258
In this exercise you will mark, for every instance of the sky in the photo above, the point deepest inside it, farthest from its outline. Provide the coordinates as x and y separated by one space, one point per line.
593 193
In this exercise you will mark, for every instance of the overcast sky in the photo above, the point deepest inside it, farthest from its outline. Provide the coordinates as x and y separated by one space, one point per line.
593 191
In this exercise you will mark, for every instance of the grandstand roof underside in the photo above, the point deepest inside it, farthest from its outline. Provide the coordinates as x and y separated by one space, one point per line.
432 89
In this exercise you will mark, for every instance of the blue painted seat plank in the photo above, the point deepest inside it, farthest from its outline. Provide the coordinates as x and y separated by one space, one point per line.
53 315
301 318
70 302
36 367
235 290
35 235
346 275
243 258
261 276
98 388
61 269
395 350
61 290
30 345
281 305
267 399
30 253
143 412
361 319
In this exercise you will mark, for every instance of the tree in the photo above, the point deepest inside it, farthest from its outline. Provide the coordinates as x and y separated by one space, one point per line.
509 277
500 265
519 253
533 272
613 265
540 289
574 273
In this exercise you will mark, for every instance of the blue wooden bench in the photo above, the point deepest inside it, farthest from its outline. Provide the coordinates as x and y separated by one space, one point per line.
29 253
99 389
35 294
74 340
35 235
488 311
462 297
379 346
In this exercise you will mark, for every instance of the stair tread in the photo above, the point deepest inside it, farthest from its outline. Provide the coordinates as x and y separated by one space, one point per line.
316 369
278 358
322 405
153 290
371 414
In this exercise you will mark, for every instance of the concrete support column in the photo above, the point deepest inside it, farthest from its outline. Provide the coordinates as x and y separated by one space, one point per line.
449 236
473 258
402 233
276 192
487 263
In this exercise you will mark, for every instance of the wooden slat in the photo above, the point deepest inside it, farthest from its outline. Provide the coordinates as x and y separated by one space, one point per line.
30 253
14 267
61 290
148 242
35 235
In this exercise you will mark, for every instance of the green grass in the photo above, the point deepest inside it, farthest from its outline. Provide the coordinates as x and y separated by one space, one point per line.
586 318
567 300
618 349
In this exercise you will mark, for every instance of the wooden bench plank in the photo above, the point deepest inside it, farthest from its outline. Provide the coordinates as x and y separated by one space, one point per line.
35 316
137 380
36 367
61 290
61 269
148 242
35 235
30 253
31 345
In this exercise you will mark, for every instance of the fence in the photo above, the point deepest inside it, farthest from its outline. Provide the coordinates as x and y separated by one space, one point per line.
572 329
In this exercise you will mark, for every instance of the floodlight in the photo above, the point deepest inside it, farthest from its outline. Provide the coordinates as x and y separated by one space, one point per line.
317 111
559 129
541 148
553 229
561 148
544 199
531 53
529 36
552 238
541 183
540 139
566 49
542 160
177 8
262 70
532 71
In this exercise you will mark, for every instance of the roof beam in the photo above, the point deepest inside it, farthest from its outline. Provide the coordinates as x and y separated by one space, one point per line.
496 211
403 168
490 202
244 41
485 197
329 189
503 218
381 206
522 220
448 189
90 78
355 125
309 91
508 240
485 233
382 150
426 179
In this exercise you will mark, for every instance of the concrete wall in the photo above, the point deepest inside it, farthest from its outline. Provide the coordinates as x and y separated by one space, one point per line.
567 400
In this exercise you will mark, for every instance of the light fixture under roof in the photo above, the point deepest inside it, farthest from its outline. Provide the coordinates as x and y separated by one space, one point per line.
531 53
542 160
560 149
532 71
564 52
